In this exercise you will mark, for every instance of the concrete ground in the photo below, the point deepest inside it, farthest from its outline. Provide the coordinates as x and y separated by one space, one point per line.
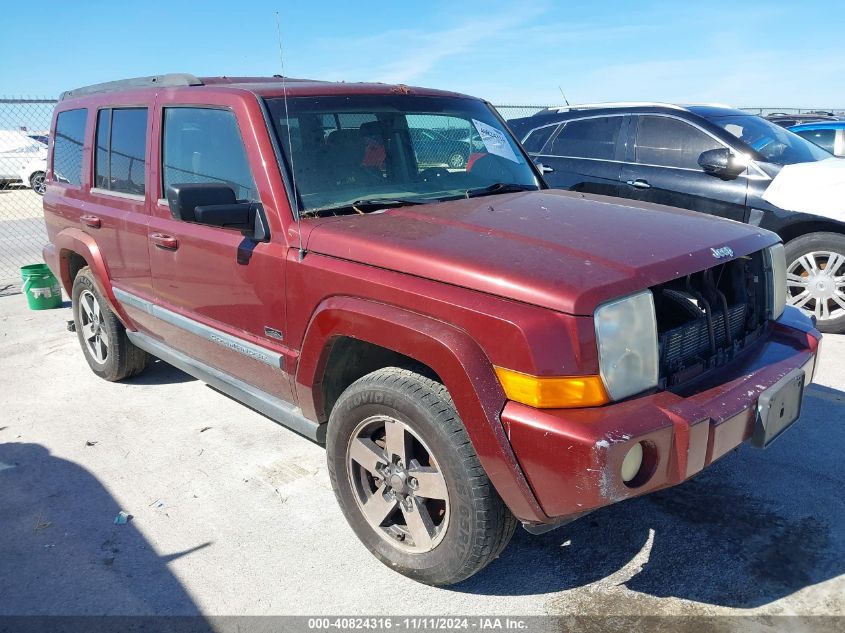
233 514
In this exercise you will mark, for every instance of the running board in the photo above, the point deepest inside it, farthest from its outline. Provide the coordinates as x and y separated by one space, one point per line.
274 408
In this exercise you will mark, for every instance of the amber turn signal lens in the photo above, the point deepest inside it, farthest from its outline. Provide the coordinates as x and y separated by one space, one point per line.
559 392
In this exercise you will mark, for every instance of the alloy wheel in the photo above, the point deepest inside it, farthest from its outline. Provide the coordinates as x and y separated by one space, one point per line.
93 328
816 283
38 183
398 484
456 161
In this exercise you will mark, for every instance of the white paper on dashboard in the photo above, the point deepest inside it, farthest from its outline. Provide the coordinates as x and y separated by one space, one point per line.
495 141
817 187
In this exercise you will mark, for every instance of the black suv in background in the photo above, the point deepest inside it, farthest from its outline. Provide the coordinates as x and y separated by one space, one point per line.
713 159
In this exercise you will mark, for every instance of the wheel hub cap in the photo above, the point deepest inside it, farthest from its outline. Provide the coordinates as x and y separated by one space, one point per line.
397 482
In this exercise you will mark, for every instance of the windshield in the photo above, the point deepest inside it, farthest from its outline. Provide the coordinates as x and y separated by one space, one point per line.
774 143
349 152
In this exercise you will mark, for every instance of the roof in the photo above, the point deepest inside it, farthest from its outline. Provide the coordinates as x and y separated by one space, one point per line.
819 125
275 85
705 110
609 105
551 115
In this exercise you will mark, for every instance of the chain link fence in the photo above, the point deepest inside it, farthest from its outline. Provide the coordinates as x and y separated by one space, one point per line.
24 126
24 129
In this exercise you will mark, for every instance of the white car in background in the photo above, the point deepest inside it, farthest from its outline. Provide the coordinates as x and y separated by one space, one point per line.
22 158
33 174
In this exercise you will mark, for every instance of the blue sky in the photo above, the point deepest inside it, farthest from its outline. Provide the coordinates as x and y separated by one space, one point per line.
744 53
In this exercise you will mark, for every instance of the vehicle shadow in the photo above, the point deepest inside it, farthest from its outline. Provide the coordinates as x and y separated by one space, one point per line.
159 372
61 552
754 527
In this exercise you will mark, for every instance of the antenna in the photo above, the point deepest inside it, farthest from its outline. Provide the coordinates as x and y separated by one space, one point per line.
290 142
561 92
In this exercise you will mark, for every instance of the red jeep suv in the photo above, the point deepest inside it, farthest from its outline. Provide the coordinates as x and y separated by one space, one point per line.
474 349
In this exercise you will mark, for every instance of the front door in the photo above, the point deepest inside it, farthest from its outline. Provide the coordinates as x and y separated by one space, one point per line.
221 296
662 167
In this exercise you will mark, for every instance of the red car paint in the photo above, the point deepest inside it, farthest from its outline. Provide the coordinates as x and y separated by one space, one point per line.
509 280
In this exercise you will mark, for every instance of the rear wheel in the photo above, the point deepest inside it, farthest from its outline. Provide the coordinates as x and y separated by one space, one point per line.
815 278
109 352
38 183
410 483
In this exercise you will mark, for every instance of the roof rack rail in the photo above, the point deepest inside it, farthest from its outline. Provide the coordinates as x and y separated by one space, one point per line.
169 80
613 104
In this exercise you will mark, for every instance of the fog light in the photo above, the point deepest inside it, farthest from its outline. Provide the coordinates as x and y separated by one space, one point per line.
633 462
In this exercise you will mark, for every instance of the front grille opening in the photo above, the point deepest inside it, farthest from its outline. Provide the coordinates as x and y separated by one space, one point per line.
705 319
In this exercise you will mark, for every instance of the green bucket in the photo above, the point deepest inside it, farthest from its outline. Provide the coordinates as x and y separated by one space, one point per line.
41 287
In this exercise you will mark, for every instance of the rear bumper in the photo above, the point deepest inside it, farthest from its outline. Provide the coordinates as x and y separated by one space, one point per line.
572 458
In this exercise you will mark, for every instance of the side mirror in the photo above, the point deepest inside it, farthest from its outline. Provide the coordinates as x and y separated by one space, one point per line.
721 162
215 204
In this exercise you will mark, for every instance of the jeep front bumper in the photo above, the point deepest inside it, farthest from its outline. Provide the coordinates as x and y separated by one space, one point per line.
573 458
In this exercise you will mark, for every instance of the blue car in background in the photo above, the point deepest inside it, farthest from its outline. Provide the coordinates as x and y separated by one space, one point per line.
829 135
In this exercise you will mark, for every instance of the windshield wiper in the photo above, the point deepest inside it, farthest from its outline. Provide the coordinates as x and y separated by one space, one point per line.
498 187
362 206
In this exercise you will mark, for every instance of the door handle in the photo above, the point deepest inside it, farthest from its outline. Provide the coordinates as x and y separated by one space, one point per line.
162 240
639 183
544 169
91 220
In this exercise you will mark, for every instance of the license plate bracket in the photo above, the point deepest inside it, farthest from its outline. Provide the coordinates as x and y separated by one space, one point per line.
778 408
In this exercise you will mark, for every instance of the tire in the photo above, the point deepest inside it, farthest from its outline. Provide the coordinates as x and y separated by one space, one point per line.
38 183
813 262
457 160
109 352
467 529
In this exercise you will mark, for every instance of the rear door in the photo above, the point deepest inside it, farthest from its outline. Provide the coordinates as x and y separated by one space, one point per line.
117 212
662 167
586 154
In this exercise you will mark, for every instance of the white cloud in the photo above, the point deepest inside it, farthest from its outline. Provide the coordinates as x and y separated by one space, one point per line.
404 55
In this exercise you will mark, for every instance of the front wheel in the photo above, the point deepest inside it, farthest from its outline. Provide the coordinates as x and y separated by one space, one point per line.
815 278
409 482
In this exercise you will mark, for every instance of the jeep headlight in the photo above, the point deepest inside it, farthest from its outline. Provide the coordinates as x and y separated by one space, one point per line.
776 261
626 334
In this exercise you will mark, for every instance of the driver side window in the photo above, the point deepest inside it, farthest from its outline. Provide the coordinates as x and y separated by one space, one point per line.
204 145
668 142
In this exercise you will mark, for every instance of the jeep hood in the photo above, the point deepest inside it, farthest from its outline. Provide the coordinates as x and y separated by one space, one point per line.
556 249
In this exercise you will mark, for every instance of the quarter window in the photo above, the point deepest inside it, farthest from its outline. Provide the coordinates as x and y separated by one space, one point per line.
669 142
119 164
823 138
588 138
67 146
204 145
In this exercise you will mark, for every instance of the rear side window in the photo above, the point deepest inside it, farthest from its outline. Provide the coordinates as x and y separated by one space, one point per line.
67 146
823 138
536 139
669 142
121 150
204 145
588 138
